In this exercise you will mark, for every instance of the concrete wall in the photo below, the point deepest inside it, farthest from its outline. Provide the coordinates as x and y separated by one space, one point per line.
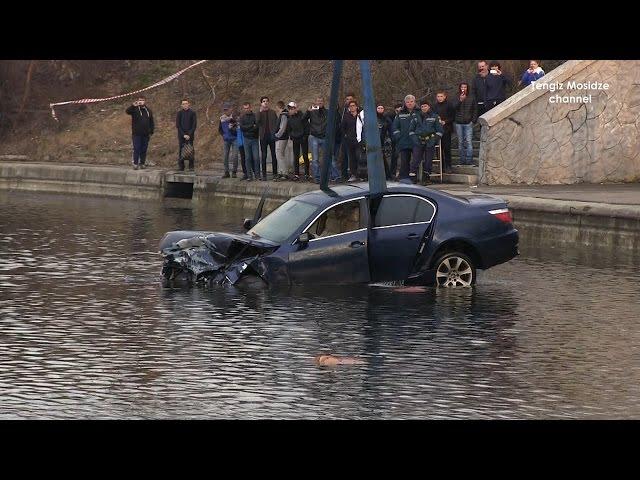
530 140
540 221
82 179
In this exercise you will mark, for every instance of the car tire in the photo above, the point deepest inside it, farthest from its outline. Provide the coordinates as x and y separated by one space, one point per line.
454 269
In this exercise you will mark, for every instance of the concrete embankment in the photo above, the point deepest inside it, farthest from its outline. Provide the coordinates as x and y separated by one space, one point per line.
598 215
82 179
544 221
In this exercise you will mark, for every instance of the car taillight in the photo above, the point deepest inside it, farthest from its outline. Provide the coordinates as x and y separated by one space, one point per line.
502 214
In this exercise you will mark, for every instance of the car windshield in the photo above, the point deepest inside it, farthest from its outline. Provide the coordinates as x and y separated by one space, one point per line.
284 220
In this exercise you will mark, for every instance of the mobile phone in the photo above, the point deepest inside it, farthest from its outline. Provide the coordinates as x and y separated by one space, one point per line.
493 71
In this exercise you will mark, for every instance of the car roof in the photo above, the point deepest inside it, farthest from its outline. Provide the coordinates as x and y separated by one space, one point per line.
355 190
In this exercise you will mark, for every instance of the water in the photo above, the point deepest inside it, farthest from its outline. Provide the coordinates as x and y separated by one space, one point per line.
87 331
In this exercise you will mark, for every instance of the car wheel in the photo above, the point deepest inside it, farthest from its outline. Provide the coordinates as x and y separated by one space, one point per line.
455 269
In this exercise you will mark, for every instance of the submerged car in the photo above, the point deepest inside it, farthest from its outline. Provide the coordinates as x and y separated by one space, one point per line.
410 235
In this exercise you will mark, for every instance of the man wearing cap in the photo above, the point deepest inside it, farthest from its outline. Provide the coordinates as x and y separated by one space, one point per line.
297 132
228 128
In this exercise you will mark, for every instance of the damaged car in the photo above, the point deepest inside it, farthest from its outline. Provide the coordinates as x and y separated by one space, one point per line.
407 235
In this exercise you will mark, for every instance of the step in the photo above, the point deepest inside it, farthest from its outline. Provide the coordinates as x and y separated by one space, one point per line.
456 154
474 143
465 169
459 178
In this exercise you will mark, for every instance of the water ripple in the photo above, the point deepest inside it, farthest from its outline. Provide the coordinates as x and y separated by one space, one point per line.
86 331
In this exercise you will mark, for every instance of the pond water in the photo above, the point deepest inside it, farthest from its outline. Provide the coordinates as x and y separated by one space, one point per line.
88 331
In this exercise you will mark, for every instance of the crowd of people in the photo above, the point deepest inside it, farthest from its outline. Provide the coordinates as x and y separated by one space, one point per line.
409 132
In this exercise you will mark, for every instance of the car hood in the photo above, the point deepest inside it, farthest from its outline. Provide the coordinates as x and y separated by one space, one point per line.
221 238
219 257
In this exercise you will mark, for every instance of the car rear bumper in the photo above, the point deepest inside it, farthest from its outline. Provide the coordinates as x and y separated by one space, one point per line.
499 249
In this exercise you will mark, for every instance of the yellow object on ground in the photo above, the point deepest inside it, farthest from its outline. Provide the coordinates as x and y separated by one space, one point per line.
301 159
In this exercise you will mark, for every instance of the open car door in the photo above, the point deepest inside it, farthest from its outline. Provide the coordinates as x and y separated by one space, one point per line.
400 226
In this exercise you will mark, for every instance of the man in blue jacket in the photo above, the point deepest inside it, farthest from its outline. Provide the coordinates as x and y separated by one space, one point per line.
403 131
228 128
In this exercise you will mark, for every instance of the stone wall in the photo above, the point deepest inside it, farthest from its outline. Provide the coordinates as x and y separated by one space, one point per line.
529 140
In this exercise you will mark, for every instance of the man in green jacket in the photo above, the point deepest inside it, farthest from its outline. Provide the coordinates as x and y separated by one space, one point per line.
403 131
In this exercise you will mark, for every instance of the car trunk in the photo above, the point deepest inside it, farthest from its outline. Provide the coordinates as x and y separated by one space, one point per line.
485 201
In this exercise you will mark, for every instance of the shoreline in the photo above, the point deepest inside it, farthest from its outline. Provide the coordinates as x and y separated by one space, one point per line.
603 215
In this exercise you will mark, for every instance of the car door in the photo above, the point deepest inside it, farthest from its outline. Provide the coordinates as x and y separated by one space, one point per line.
400 224
337 253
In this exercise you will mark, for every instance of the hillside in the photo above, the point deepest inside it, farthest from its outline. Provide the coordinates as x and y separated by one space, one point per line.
100 132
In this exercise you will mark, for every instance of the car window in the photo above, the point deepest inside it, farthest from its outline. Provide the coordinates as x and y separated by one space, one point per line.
399 210
424 212
342 218
284 220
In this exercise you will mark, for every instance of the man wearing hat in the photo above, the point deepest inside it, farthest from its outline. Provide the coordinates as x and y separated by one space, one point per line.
228 128
297 131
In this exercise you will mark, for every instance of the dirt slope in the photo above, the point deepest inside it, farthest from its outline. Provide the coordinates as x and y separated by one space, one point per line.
100 132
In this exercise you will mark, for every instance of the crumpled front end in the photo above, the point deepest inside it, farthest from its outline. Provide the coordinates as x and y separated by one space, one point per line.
218 258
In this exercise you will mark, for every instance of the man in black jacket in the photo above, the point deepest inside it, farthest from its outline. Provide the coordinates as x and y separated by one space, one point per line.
479 86
446 111
341 150
489 86
317 116
250 132
393 165
186 124
268 124
141 129
296 126
466 115
348 129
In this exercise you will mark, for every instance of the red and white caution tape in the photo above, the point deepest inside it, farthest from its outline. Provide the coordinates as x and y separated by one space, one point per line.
95 100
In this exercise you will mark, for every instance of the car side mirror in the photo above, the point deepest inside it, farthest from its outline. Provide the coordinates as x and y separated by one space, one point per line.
248 223
304 238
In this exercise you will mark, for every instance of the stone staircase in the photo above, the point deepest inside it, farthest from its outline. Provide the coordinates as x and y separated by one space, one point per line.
465 174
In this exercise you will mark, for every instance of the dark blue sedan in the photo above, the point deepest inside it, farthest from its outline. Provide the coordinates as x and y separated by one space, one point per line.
410 234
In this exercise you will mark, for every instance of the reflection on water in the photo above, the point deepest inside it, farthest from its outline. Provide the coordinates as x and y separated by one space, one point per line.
86 330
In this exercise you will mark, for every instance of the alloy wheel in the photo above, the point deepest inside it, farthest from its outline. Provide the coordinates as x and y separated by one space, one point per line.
454 271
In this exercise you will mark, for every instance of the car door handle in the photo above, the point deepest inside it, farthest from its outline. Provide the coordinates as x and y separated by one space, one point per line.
412 236
356 244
